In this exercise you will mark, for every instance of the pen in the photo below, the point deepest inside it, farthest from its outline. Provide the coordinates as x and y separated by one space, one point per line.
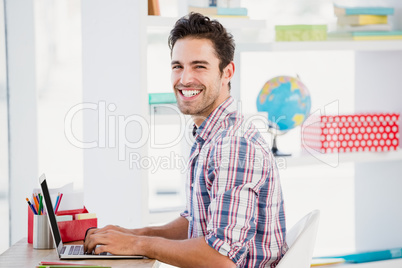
58 204
40 205
35 201
37 197
57 200
31 206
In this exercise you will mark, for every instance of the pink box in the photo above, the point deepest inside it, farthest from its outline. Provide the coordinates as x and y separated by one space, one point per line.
352 133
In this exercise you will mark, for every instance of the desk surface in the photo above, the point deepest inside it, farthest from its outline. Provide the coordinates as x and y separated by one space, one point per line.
22 254
395 263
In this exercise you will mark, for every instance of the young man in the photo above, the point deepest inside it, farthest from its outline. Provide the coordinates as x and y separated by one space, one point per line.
234 215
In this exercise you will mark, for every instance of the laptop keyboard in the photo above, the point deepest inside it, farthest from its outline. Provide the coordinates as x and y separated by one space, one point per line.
78 250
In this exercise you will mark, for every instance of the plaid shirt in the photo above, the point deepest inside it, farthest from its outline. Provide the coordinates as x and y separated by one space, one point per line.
234 196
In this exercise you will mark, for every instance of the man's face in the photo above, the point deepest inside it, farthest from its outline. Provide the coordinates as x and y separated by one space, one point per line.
197 82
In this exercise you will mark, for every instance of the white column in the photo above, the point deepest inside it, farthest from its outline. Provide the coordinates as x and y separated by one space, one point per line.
23 151
378 185
116 110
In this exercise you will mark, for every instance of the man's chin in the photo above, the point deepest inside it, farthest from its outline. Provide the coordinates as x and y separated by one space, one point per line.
186 111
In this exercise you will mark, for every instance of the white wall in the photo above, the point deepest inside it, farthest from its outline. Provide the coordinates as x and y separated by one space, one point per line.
114 65
378 185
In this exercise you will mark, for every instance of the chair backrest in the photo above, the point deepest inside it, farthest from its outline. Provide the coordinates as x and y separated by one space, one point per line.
301 240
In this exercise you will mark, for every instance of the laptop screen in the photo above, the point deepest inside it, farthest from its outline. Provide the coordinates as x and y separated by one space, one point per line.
50 211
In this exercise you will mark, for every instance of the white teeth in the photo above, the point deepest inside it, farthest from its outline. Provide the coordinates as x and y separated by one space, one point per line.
190 93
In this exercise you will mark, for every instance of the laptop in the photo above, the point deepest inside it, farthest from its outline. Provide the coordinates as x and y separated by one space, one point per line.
70 251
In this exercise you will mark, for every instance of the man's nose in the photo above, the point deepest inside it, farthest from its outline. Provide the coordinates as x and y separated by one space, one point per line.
187 76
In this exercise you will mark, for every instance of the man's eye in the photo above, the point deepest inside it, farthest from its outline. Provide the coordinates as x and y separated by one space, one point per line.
176 67
200 67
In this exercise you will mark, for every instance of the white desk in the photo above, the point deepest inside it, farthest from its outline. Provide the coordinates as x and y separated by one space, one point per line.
396 263
22 254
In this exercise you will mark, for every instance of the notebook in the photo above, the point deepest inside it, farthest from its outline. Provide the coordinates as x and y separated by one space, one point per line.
70 251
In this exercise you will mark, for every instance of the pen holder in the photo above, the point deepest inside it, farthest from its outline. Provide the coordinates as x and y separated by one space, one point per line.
42 237
69 230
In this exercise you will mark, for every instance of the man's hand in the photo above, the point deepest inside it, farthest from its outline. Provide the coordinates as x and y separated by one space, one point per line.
112 239
105 237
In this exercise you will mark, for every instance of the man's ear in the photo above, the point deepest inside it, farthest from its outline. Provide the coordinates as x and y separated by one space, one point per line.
228 73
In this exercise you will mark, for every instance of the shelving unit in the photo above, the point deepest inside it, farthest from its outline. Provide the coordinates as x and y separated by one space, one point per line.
155 23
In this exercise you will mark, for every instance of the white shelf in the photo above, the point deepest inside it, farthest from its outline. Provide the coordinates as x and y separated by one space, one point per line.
231 23
159 22
375 45
304 158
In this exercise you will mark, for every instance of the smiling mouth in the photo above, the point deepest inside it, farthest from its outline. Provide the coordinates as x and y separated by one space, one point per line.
190 93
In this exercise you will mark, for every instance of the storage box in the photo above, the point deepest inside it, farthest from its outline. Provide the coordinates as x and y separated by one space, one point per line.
352 133
301 32
69 230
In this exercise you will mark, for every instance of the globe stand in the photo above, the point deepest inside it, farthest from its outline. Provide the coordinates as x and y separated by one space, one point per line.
275 149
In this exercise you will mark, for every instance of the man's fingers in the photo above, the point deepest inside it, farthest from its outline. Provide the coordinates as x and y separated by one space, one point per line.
105 240
89 232
89 245
100 249
93 240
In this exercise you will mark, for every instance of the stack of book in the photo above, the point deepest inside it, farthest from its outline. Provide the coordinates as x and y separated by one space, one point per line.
301 32
364 23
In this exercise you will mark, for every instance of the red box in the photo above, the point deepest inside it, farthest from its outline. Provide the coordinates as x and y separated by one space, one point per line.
352 133
69 230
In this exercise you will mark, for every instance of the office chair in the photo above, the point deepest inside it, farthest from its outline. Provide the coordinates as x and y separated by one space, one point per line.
301 240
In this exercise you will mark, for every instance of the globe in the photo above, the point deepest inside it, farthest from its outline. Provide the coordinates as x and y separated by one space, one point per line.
287 101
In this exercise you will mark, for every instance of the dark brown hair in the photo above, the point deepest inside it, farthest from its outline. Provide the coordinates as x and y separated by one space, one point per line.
199 26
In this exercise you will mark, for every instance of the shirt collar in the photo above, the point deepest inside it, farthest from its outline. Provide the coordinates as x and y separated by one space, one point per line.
212 122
